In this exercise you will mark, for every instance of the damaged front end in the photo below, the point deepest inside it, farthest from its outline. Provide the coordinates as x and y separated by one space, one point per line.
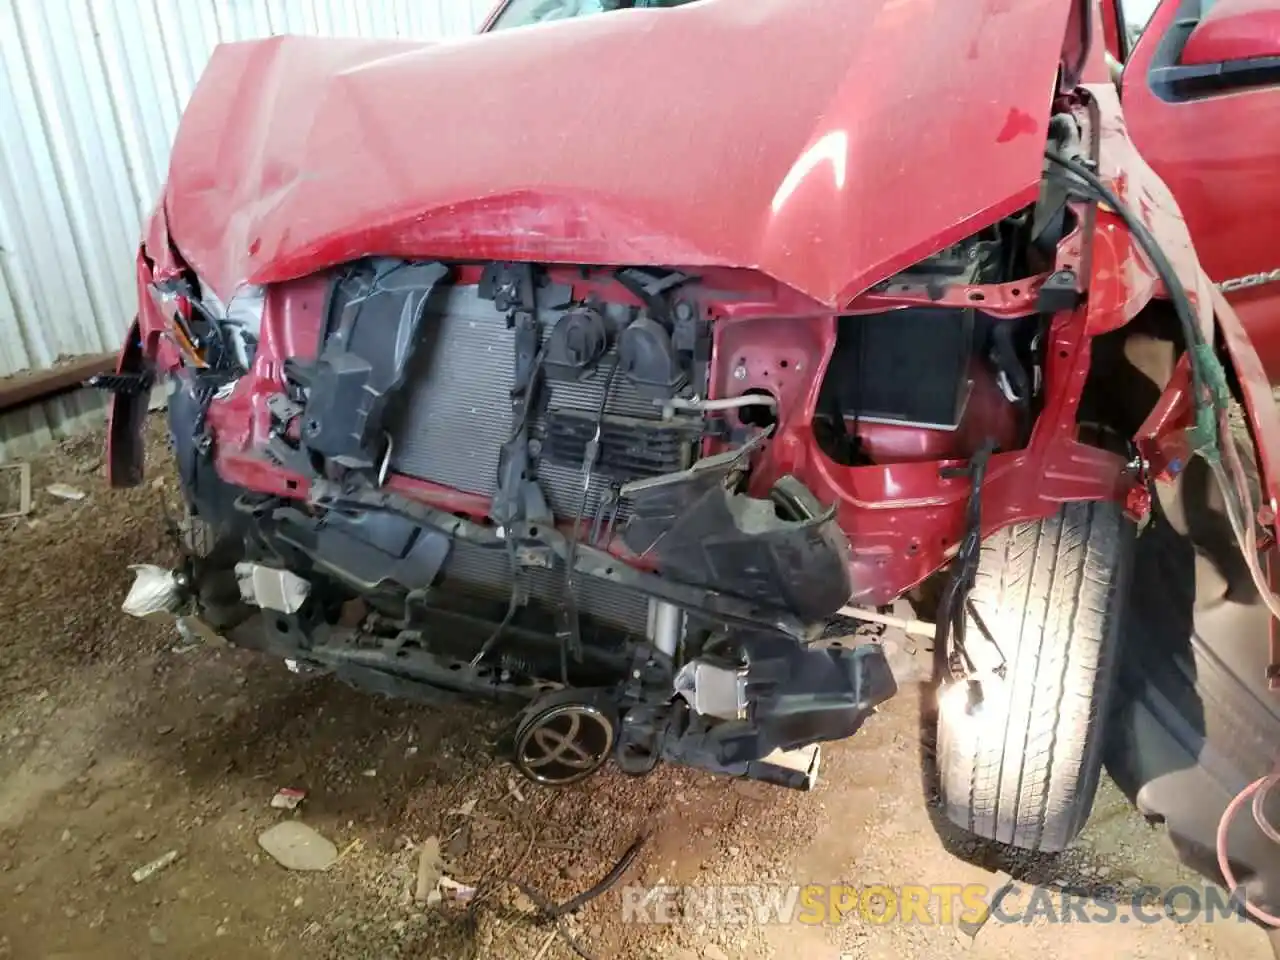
506 481
544 431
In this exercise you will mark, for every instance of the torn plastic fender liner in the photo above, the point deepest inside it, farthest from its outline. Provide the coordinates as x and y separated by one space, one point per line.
366 549
796 697
126 415
587 560
146 353
786 552
210 497
372 335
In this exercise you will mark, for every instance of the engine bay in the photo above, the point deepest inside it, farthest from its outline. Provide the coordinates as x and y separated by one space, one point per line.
927 382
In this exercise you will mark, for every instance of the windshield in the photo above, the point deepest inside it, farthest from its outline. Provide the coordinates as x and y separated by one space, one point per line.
521 13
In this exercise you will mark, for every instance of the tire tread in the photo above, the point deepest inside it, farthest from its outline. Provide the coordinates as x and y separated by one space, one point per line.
1059 583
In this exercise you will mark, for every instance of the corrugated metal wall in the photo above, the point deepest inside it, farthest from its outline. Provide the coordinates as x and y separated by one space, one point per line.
90 95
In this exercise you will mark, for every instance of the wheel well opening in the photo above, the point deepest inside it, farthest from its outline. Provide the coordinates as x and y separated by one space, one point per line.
1128 370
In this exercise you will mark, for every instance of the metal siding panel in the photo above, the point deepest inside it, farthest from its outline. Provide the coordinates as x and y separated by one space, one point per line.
23 432
293 16
182 37
15 308
223 21
98 177
371 20
35 201
143 121
90 96
324 17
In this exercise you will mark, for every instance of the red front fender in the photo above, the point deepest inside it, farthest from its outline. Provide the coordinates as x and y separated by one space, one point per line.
1259 402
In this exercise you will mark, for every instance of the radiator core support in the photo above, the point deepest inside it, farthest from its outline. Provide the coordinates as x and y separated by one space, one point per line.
458 413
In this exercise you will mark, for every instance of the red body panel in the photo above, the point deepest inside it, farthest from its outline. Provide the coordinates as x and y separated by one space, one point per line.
1096 69
827 143
694 167
903 518
1220 156
1111 34
1234 30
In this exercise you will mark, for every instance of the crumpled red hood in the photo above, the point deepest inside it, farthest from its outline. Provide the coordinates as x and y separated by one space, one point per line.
827 143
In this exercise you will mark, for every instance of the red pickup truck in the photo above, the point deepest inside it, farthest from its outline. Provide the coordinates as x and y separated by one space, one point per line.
618 366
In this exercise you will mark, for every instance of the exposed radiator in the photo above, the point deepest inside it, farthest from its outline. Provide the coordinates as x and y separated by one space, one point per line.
458 415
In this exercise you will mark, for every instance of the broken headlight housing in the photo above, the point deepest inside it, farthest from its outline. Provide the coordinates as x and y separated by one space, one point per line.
208 333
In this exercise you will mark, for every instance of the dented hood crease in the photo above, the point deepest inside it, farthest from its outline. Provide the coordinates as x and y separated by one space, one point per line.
826 143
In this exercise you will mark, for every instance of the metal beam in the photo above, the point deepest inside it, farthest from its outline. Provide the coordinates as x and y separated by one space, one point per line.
33 385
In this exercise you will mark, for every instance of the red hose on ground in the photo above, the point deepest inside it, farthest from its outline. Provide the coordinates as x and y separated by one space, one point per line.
1265 785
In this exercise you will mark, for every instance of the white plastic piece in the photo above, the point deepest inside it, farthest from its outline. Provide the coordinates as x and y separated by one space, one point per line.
272 588
155 593
665 621
669 407
916 628
296 846
154 867
713 691
805 760
64 491
21 472
287 798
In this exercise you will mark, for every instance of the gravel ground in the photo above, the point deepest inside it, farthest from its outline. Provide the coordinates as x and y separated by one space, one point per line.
120 742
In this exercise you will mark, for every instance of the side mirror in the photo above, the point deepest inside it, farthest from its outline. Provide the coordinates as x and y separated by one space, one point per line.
1232 31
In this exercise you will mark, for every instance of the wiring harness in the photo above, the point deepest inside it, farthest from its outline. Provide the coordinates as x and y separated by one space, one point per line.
1210 437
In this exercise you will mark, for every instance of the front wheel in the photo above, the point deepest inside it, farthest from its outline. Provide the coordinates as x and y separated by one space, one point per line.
1021 764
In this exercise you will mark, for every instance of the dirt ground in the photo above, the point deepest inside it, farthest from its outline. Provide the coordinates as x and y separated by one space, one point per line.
121 741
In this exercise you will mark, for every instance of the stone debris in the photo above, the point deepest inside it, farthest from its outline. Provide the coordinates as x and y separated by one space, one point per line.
295 846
